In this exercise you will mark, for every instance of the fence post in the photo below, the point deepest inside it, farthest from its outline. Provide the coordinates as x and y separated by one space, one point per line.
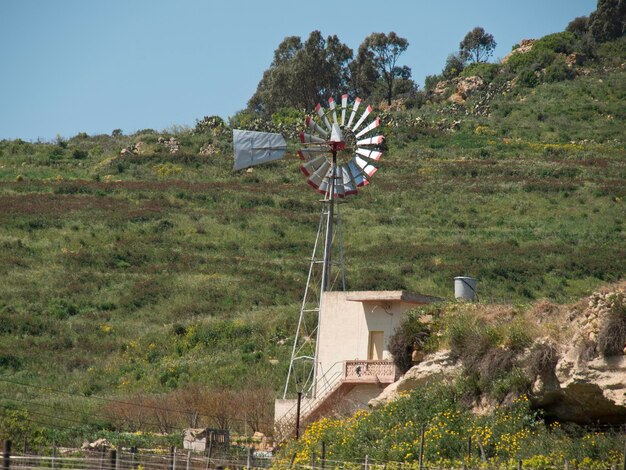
420 460
323 453
6 455
209 451
102 454
298 415
519 464
249 459
367 462
113 459
188 459
566 464
172 462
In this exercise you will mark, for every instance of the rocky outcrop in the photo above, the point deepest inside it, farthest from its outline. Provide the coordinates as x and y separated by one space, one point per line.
438 366
207 150
171 144
579 375
524 46
461 87
588 383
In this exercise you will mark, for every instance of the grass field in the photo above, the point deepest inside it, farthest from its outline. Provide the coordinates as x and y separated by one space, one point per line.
149 272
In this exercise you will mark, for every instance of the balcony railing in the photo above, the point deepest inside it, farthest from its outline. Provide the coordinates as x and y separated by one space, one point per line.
370 372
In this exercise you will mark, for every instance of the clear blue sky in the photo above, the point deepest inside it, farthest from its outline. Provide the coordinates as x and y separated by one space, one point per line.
70 66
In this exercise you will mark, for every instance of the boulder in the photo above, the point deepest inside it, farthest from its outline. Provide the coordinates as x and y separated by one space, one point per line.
437 366
442 87
456 98
524 46
468 85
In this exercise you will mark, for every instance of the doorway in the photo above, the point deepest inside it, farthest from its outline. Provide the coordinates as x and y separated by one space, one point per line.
376 346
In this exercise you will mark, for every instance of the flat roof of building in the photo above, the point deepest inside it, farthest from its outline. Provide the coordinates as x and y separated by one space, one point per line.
391 296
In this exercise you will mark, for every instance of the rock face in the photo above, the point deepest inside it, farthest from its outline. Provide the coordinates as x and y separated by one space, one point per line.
463 88
587 384
171 144
584 375
438 366
524 46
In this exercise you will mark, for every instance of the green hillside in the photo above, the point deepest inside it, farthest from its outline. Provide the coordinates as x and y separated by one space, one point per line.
154 272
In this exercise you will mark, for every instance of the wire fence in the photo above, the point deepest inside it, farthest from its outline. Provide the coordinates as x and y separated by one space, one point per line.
175 459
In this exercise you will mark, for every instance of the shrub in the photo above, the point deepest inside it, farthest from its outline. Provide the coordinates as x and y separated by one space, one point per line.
578 26
612 334
410 335
431 81
558 71
528 78
563 42
484 70
454 66
535 59
79 154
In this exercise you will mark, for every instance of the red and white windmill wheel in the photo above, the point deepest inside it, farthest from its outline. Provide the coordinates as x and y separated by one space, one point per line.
339 156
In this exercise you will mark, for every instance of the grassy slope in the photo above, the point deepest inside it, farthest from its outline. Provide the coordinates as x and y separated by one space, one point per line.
185 272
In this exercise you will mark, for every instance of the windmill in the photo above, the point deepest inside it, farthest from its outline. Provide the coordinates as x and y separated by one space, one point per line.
339 155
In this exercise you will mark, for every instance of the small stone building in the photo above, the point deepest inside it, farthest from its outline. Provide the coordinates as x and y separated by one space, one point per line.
354 362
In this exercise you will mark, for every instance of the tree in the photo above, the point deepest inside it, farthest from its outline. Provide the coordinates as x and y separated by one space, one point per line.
578 26
477 45
303 74
382 51
454 66
608 22
363 73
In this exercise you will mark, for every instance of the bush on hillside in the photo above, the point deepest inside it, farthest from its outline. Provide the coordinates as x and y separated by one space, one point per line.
613 51
484 70
535 59
454 66
411 335
578 26
563 42
558 71
612 334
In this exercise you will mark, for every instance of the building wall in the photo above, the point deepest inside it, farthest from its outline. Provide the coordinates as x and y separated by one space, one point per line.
345 325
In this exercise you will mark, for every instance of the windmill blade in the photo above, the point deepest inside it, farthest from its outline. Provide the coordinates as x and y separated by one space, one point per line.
310 167
348 182
366 113
373 125
320 112
340 191
318 177
331 105
314 127
371 141
365 166
254 148
344 105
310 138
357 102
360 179
325 186
311 152
371 154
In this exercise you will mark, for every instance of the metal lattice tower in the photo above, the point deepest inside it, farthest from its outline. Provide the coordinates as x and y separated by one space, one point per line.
321 151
